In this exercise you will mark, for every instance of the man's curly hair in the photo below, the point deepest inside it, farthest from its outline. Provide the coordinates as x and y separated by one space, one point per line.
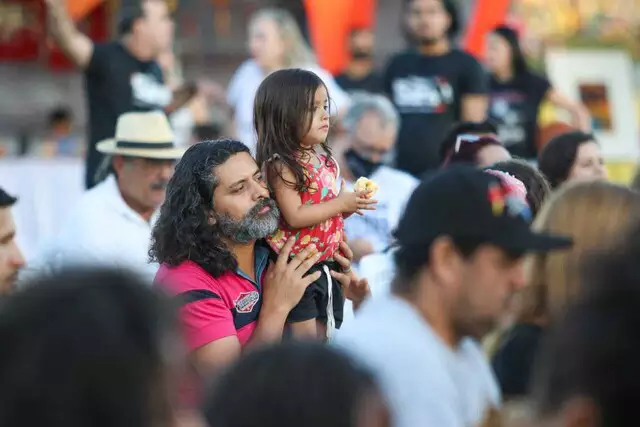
183 232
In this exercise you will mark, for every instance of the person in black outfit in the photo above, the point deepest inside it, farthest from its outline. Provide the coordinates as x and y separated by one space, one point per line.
432 84
359 76
516 94
121 76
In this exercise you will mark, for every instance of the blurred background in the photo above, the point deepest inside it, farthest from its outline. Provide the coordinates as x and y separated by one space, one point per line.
43 111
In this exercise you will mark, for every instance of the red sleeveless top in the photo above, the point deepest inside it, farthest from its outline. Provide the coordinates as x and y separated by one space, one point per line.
323 186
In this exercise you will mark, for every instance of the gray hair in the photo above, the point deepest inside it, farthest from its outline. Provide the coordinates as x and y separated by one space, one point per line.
363 103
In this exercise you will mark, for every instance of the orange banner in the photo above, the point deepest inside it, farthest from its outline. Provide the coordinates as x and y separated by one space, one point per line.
487 15
330 22
79 9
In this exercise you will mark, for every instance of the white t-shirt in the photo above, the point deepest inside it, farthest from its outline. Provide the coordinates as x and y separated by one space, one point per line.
242 92
395 189
425 382
101 230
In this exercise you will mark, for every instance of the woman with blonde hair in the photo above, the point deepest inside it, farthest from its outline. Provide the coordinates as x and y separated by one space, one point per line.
275 43
594 214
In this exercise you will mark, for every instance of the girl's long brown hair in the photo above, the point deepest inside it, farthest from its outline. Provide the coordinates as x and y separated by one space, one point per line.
282 116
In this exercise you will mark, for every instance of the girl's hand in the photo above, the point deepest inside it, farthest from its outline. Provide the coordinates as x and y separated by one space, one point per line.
355 202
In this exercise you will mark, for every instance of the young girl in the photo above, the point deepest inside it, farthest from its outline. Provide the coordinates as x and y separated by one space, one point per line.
291 118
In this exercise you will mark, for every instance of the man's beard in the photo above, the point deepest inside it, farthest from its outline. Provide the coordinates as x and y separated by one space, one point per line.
253 226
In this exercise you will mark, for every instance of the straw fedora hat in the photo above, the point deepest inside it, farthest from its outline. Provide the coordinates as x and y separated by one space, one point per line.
143 134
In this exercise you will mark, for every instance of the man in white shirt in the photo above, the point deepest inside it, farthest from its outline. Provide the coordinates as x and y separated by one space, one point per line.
111 224
460 247
372 126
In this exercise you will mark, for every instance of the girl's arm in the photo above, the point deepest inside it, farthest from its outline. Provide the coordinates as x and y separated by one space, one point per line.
294 212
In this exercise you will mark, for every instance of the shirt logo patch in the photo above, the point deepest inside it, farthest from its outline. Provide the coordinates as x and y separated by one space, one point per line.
246 301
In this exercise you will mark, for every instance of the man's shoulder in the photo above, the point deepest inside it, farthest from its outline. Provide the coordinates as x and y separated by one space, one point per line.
401 58
186 276
463 59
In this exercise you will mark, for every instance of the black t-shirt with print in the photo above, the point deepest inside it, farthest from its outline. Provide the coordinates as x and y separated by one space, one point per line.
371 83
118 83
514 106
427 91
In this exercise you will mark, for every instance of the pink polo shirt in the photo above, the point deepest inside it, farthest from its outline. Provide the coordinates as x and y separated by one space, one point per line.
212 308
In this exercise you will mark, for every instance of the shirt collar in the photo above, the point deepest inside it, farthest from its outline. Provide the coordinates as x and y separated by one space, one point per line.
114 198
261 258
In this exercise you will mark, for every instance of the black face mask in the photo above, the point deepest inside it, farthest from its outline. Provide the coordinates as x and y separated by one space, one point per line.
360 166
361 54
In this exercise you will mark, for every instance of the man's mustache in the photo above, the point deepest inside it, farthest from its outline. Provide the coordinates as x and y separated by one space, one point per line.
261 204
160 185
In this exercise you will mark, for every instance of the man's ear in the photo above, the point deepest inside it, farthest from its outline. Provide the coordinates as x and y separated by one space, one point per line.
211 219
444 260
117 163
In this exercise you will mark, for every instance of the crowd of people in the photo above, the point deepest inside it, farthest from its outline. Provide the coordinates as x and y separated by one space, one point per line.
476 278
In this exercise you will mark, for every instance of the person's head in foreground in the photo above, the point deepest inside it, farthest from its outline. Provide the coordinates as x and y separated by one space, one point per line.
11 259
372 126
461 245
296 384
473 143
588 374
216 199
87 348
593 214
143 156
537 186
572 156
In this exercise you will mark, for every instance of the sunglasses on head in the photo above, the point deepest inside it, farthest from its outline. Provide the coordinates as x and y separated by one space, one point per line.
471 139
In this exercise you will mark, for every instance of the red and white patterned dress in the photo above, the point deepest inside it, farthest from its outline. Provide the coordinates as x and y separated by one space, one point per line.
323 186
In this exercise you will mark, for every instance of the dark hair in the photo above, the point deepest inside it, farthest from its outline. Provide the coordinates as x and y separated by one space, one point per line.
282 117
130 12
6 200
518 60
84 348
207 132
461 128
468 151
534 181
593 350
558 156
292 384
451 9
59 114
182 232
410 260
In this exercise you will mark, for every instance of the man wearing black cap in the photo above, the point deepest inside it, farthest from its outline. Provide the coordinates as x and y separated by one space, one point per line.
121 76
461 245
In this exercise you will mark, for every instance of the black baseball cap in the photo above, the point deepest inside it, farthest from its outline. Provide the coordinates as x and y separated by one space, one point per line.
468 203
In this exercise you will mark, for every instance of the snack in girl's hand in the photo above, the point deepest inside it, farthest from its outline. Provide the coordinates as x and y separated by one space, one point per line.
365 184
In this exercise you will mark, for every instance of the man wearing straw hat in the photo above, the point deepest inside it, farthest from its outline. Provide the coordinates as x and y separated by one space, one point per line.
111 224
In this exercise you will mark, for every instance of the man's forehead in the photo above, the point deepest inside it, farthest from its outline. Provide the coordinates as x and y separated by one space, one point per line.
238 167
7 226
